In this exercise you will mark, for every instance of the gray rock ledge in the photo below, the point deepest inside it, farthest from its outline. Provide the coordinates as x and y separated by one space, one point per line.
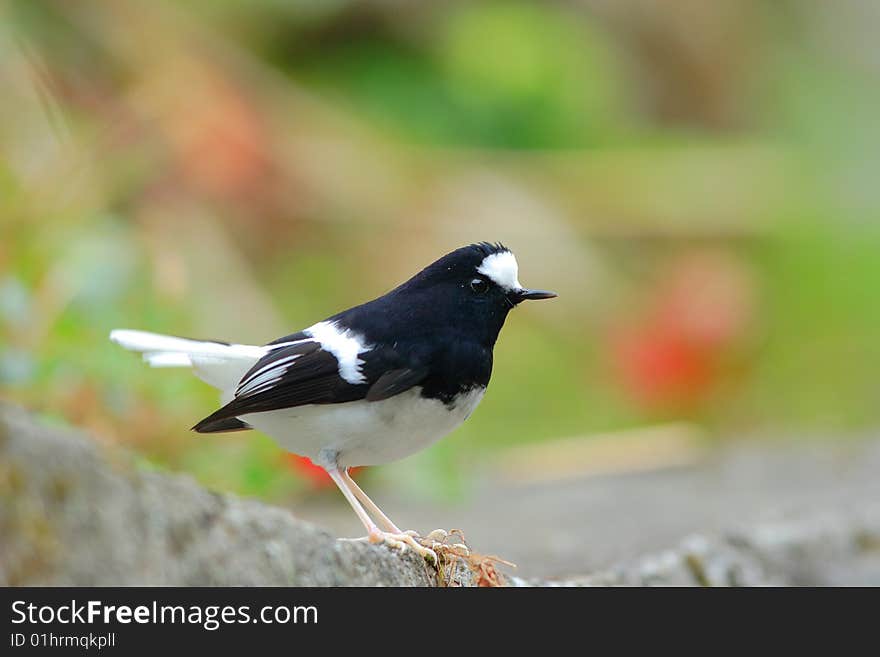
73 513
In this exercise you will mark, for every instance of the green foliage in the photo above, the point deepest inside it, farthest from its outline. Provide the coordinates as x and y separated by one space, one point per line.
502 75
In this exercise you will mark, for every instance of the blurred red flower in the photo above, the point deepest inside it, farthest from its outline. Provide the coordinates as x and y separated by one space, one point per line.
315 475
662 369
672 355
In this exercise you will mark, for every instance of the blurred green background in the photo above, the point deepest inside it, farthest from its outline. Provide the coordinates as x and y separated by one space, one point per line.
698 180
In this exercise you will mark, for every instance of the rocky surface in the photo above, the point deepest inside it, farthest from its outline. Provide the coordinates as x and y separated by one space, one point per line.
72 513
75 513
559 527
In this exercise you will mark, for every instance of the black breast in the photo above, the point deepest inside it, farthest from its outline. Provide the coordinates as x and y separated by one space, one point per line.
457 367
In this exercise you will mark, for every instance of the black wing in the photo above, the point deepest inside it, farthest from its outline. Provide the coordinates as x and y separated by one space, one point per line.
226 426
394 382
301 373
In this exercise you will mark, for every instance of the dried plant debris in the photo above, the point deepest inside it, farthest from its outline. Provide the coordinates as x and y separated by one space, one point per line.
455 560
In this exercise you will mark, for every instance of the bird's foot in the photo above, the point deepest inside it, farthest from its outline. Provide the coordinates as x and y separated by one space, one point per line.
401 541
427 547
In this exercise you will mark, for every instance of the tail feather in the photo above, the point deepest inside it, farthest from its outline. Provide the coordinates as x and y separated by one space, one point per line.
217 363
154 343
167 359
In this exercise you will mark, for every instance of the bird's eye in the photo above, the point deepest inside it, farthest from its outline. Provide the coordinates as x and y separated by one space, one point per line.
479 286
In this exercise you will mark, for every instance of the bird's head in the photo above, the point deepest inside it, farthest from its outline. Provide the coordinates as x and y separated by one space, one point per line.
474 287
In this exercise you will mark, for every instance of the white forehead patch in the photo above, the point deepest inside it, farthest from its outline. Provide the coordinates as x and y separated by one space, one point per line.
502 269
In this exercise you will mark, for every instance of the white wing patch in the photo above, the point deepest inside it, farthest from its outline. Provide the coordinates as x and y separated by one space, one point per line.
345 345
267 376
502 268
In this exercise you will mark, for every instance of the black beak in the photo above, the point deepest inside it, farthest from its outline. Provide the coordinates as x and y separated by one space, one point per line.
518 296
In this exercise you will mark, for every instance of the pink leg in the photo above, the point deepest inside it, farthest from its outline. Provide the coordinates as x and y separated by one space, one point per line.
394 539
338 479
384 520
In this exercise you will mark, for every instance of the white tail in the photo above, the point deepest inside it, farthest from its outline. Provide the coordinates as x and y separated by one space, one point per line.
220 365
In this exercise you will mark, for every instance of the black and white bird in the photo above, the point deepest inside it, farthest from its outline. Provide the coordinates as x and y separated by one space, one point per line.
369 385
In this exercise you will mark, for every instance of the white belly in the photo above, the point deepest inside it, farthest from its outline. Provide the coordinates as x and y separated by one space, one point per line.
362 432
